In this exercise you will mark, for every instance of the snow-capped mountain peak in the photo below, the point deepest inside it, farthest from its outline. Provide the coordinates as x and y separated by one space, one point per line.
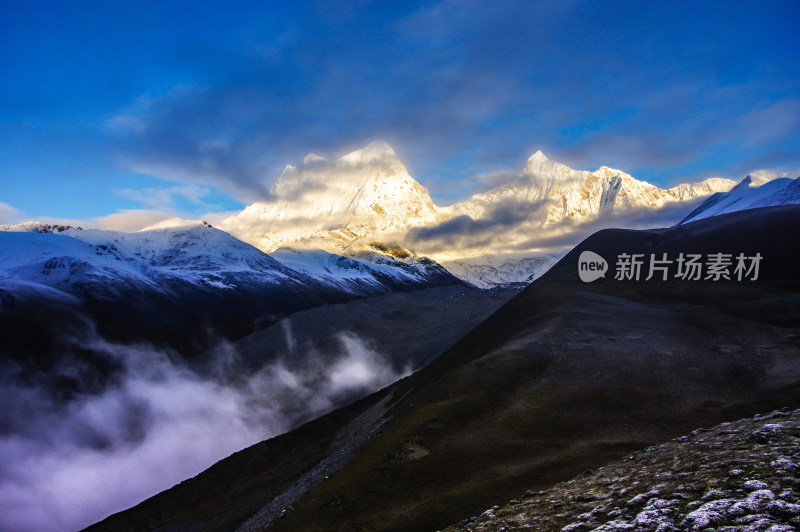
538 158
378 150
310 159
546 172
365 191
552 192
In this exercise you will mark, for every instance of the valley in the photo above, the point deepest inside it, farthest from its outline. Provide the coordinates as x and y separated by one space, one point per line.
410 328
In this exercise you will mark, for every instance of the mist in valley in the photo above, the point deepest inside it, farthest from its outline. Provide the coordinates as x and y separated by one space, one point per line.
69 460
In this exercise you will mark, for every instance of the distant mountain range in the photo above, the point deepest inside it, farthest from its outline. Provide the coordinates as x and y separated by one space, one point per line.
367 200
368 196
343 222
350 227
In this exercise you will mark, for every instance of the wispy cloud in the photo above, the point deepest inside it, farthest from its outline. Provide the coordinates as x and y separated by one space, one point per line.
127 220
9 214
164 198
465 232
519 227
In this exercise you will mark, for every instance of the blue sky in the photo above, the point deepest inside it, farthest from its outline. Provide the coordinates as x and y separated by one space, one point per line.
130 108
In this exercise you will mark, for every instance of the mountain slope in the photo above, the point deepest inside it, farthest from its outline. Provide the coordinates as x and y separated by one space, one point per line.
365 273
409 329
566 376
72 256
755 190
196 253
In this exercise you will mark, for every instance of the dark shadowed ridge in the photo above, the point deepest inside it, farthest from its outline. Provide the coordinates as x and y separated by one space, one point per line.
565 377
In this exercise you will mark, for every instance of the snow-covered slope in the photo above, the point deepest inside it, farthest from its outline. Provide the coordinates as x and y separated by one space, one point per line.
371 275
759 189
72 259
503 270
69 259
546 210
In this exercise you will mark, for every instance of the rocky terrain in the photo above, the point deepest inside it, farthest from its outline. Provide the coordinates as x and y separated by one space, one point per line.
742 476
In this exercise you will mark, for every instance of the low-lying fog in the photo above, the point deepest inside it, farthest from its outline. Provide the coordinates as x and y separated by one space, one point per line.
65 464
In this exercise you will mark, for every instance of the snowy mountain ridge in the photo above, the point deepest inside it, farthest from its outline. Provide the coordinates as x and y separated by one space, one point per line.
759 189
560 192
68 260
368 199
367 207
368 196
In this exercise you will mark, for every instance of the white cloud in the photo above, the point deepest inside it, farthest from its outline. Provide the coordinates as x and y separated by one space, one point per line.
771 124
129 220
164 198
9 214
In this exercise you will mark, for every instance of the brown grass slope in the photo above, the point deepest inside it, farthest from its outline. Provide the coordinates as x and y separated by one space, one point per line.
566 376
